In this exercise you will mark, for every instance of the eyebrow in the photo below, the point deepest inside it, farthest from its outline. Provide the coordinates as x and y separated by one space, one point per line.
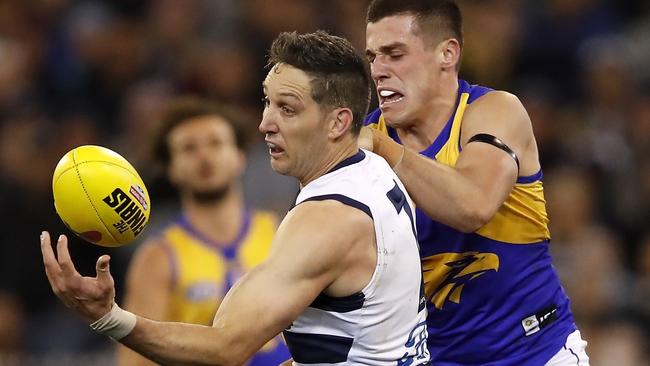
387 48
290 95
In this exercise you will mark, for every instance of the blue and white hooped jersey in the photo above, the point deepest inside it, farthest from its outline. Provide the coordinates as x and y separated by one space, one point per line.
385 323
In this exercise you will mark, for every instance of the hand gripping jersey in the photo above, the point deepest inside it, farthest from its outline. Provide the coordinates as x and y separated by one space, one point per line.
493 296
203 271
384 324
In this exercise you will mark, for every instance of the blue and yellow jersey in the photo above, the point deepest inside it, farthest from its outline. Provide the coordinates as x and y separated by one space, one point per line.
203 271
493 296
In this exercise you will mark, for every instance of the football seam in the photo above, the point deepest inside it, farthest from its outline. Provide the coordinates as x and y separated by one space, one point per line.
83 186
89 161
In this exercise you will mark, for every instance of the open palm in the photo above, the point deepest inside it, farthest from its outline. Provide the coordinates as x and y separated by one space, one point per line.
89 297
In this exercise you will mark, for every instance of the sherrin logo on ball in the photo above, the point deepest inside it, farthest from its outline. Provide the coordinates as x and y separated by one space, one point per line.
100 196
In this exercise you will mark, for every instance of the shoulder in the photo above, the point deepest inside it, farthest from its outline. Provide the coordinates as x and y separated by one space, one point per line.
265 217
322 226
316 236
334 212
503 115
152 256
496 101
496 111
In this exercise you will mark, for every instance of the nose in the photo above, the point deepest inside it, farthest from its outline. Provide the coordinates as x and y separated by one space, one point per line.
378 69
268 124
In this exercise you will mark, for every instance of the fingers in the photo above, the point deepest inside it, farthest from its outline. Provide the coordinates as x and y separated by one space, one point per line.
64 255
103 270
365 138
49 260
46 249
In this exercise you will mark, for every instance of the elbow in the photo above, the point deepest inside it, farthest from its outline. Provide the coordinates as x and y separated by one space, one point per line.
233 360
223 354
474 216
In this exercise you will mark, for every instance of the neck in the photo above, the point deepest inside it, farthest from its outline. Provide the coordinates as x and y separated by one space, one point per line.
333 157
432 117
219 220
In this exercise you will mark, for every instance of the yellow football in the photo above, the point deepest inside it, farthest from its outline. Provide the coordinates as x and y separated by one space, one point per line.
100 196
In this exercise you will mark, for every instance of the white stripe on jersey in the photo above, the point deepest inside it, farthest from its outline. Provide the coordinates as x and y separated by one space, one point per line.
385 323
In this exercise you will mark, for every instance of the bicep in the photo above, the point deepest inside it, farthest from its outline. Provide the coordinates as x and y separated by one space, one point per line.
264 303
501 115
305 260
491 170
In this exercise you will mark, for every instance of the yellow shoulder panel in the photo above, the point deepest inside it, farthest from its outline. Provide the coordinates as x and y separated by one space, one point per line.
257 244
449 152
522 218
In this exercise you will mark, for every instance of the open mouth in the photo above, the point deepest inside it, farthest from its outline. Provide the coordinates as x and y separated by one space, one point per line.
274 149
387 97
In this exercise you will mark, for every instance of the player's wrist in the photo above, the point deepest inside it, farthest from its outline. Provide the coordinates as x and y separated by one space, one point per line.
117 323
390 150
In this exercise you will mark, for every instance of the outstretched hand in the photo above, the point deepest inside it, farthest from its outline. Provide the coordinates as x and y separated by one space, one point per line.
89 297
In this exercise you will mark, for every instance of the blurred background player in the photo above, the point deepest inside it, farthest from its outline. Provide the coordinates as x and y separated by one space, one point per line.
182 273
492 293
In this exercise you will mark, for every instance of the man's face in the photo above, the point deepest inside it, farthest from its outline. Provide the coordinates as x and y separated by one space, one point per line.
204 158
292 122
403 67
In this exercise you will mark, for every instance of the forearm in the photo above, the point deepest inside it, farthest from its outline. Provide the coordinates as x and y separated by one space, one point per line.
182 344
443 193
128 357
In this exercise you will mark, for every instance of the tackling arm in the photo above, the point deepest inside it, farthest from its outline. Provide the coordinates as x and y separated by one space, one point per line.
468 195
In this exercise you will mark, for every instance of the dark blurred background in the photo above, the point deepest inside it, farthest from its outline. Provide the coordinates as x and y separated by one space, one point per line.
99 72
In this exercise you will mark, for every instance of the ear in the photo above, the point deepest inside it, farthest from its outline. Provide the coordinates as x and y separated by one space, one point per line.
451 53
341 123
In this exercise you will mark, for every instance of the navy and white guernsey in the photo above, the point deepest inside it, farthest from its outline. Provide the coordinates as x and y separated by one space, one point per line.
385 323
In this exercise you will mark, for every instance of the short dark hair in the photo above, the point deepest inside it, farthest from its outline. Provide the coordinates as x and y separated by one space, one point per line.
432 16
186 108
340 78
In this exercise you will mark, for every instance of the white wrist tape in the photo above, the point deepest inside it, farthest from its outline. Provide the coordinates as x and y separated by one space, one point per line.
116 324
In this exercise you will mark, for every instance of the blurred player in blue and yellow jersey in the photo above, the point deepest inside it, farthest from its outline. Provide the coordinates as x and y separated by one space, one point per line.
468 157
182 273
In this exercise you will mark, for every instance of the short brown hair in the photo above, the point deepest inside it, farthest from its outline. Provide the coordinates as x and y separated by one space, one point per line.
340 78
432 16
184 109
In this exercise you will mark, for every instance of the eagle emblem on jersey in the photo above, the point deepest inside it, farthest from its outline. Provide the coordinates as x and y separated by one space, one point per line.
446 274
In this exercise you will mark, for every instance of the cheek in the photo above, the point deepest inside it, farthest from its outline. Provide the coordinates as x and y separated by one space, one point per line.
176 172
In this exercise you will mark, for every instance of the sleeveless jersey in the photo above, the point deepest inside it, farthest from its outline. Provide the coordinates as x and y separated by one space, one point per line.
203 271
493 295
383 324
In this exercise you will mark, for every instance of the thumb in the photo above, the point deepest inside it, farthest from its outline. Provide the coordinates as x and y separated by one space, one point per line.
103 268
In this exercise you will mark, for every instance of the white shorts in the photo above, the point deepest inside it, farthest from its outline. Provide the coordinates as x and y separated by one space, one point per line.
573 352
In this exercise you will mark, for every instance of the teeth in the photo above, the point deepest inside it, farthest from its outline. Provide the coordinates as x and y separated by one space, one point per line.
386 93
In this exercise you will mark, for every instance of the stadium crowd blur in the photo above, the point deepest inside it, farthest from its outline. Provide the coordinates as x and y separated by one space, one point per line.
99 72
